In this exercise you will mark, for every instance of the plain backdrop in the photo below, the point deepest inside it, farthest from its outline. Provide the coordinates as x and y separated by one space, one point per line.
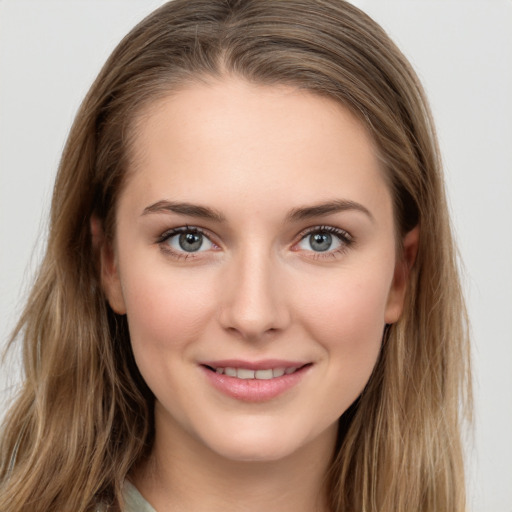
51 50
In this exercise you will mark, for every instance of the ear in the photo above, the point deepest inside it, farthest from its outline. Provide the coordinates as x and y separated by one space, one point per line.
396 297
109 274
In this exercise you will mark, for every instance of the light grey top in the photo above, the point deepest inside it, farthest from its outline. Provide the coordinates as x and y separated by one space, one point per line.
134 502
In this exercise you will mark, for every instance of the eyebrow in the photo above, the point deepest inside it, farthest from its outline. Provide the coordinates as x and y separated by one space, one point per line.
192 210
295 215
319 210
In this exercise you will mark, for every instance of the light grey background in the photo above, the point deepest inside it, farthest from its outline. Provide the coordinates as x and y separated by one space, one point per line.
51 50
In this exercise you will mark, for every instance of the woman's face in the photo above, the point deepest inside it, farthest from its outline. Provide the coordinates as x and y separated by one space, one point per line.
255 259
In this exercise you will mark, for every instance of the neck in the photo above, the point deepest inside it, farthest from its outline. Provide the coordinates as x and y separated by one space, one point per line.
184 475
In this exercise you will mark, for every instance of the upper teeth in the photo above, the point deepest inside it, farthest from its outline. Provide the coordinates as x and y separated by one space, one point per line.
245 373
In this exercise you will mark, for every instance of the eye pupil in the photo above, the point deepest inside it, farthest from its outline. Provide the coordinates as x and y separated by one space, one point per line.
191 242
321 241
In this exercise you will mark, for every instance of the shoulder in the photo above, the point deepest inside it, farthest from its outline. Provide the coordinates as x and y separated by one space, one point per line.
133 499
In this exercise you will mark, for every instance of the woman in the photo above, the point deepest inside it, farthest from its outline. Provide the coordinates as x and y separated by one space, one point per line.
249 298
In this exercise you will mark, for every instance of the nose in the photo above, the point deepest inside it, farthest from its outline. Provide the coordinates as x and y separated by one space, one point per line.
254 302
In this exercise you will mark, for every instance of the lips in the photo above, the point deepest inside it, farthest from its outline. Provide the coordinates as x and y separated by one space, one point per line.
254 381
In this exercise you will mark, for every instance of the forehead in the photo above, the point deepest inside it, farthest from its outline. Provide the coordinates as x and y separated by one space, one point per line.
246 142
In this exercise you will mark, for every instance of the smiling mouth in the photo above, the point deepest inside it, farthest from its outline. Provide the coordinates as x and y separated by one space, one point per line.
261 374
255 381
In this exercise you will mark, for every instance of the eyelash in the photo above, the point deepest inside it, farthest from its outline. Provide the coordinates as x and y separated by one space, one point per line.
345 239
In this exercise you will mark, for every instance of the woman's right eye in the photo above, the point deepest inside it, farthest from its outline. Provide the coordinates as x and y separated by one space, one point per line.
187 240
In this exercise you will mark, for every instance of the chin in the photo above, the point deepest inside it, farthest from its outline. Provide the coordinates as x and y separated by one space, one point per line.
265 443
254 452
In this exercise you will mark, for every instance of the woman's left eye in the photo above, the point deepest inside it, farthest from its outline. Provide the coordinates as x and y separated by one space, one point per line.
325 240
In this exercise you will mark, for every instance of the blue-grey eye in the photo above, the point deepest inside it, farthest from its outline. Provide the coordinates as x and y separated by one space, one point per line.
189 241
320 241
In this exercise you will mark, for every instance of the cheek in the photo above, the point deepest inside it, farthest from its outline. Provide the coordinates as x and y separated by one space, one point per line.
166 310
346 317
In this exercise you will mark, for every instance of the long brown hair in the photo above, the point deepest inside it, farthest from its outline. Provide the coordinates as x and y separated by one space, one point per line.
83 417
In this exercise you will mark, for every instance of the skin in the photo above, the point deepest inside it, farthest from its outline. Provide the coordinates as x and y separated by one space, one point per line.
257 288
